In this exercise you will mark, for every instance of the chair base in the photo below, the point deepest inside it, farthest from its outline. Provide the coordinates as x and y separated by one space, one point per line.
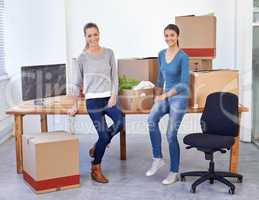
211 176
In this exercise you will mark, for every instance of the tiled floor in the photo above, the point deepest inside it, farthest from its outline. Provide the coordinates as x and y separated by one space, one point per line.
127 179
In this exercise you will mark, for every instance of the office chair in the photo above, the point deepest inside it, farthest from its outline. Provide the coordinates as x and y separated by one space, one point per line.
219 124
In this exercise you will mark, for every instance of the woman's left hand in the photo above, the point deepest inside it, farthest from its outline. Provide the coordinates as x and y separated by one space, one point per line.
112 101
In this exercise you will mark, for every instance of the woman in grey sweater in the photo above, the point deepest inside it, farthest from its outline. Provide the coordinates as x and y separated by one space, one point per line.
97 71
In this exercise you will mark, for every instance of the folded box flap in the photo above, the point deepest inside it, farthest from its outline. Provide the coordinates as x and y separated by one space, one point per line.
49 137
146 58
192 15
138 58
216 70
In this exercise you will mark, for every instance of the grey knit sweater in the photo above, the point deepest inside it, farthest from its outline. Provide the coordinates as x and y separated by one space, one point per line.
97 74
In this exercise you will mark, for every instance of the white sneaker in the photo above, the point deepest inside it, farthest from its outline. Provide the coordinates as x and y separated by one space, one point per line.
171 178
156 165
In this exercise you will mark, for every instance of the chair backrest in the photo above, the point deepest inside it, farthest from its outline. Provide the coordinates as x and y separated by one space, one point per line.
220 115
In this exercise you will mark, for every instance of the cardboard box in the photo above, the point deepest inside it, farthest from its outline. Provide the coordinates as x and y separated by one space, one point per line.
198 64
136 100
141 69
51 161
197 35
204 83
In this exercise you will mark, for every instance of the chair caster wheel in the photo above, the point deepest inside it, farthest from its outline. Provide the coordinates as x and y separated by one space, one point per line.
240 180
183 179
193 190
211 181
231 191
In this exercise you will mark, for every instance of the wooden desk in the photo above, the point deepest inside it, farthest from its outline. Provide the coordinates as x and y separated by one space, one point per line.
60 105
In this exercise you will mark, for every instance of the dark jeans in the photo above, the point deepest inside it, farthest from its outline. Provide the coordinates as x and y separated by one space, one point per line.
97 109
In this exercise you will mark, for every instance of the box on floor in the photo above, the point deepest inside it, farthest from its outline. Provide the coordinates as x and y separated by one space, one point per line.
51 161
204 83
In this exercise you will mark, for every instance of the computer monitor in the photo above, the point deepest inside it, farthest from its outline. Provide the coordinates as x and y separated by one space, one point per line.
43 81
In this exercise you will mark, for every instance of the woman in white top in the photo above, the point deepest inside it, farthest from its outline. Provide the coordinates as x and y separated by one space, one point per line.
97 72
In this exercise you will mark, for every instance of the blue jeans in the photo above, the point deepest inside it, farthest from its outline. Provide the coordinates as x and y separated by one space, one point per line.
97 109
176 108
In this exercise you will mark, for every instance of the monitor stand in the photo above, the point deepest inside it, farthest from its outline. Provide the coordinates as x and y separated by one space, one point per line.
39 102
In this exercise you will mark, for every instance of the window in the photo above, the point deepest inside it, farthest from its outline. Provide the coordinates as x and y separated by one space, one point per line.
2 39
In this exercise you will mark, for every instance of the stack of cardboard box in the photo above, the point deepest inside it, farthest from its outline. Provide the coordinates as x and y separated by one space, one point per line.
141 69
198 40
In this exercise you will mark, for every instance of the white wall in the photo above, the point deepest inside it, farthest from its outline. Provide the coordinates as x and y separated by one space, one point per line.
244 62
5 121
256 82
135 28
35 35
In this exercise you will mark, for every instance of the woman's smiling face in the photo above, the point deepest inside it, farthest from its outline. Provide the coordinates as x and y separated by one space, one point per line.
171 37
92 37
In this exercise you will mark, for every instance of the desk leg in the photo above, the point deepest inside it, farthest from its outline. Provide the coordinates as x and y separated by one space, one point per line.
123 140
18 142
44 123
234 153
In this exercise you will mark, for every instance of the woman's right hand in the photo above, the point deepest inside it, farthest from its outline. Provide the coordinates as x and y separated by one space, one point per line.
72 111
160 97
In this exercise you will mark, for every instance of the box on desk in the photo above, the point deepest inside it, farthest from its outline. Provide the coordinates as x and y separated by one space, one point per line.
147 68
203 83
197 35
51 161
198 64
136 100
141 69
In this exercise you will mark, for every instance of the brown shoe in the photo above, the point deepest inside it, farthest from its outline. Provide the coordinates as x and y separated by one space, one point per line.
97 175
